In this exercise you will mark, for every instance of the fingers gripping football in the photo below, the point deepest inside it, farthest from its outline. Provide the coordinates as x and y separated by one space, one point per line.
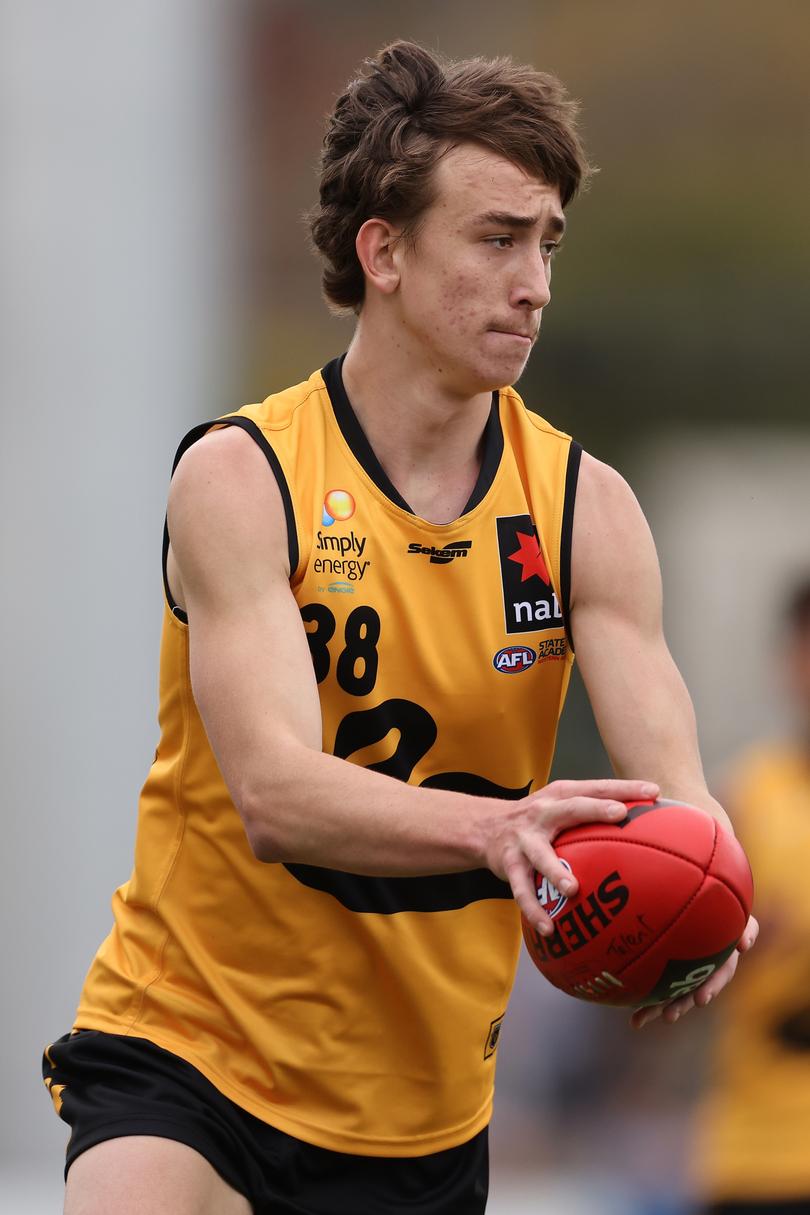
675 1009
522 836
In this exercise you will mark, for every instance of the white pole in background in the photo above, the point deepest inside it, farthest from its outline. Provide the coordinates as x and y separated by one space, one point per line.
118 323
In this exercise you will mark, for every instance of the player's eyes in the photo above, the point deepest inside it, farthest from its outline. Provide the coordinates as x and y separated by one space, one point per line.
548 248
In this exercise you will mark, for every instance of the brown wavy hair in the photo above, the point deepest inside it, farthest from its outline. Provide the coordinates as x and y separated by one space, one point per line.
399 116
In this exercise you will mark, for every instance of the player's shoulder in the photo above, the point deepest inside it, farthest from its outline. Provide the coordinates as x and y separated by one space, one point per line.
228 456
603 487
610 533
222 504
515 410
281 410
245 438
605 502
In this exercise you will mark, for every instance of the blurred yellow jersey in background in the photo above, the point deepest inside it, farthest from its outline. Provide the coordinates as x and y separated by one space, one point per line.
753 1140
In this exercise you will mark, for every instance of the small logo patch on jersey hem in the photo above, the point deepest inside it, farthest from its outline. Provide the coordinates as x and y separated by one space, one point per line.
513 659
493 1036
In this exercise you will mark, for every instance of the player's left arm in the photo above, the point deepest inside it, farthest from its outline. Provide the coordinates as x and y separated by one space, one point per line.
639 699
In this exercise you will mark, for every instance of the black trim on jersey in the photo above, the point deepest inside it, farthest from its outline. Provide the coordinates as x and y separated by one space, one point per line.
571 477
389 895
354 434
363 452
250 427
493 450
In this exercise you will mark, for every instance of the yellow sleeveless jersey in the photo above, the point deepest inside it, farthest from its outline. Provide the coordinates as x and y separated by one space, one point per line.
754 1124
360 1014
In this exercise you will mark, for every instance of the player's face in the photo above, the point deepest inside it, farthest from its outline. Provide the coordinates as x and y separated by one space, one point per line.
474 285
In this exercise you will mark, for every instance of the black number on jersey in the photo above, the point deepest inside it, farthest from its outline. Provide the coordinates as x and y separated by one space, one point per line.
414 725
389 895
417 732
414 731
319 637
361 634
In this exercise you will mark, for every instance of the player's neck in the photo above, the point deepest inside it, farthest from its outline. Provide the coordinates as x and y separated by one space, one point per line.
428 439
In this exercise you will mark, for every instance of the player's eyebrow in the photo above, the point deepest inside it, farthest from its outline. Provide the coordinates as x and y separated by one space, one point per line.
554 223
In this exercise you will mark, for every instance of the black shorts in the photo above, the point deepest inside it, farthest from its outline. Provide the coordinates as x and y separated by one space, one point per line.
788 1206
116 1085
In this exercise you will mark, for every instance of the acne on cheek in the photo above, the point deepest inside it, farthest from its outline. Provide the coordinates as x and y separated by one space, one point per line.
457 296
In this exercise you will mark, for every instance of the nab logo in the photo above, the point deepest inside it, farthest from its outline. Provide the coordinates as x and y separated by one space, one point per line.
530 604
514 658
443 556
548 896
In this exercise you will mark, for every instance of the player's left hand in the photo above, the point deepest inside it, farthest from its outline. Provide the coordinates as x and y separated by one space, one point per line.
703 995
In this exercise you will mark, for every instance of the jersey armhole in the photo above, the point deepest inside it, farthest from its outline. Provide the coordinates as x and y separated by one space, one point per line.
566 534
250 427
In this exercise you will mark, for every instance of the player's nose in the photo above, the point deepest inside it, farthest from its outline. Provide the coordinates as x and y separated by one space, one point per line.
532 289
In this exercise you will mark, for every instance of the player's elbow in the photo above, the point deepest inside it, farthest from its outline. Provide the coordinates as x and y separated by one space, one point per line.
264 842
262 834
265 848
263 822
272 801
264 788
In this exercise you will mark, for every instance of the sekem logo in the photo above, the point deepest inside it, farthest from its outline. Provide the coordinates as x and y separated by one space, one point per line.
442 556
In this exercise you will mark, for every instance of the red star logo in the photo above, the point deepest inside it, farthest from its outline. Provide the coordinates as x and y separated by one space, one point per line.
530 556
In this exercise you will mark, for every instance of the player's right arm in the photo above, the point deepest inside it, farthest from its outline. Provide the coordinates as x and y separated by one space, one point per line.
254 686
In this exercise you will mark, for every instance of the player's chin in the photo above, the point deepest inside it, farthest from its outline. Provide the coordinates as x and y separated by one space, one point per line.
501 368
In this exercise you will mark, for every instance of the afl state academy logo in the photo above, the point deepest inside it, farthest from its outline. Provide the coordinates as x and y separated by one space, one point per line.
530 603
548 896
514 658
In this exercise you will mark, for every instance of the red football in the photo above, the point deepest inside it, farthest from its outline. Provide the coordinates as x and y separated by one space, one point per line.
663 899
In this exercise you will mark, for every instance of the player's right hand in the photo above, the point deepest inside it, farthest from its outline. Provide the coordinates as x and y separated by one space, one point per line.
520 837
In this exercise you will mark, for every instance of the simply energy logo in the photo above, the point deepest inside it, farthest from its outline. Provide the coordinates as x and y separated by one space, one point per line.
344 556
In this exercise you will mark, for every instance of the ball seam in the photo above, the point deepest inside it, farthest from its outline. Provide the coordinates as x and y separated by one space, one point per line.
611 839
657 940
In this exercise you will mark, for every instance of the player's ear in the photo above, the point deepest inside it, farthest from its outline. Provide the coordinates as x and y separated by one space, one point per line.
376 245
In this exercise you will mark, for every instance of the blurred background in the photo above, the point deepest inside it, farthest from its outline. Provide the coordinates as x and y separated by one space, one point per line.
156 160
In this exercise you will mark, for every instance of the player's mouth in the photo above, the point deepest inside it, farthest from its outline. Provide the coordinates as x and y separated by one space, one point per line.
518 335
